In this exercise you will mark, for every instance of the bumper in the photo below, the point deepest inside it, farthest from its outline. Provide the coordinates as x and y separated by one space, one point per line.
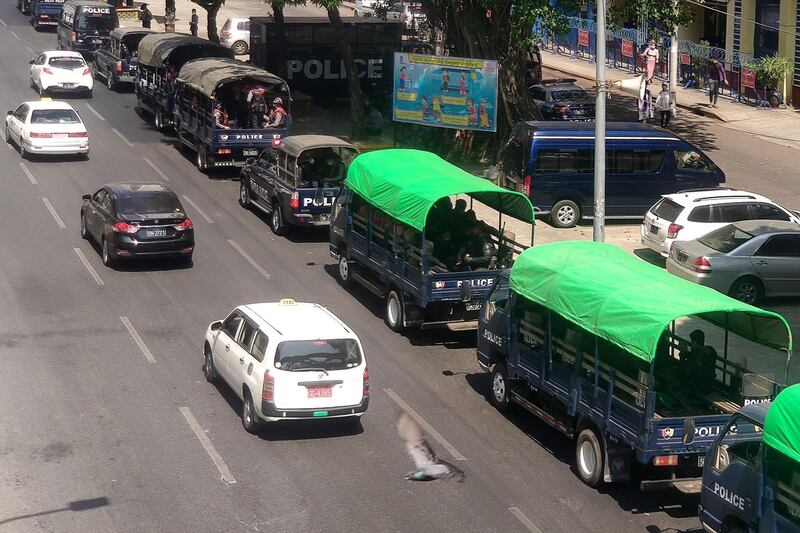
684 485
309 220
70 148
125 246
661 247
126 78
271 413
720 281
61 89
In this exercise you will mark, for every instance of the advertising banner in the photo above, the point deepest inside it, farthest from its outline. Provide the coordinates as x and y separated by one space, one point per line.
445 92
583 37
627 48
748 77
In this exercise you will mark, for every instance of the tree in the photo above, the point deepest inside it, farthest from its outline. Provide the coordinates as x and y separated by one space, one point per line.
169 16
280 32
212 8
669 14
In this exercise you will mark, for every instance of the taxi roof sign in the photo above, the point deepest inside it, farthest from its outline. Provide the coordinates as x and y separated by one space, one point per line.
287 301
47 99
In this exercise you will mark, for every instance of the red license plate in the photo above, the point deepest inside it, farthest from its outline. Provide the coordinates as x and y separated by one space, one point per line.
320 392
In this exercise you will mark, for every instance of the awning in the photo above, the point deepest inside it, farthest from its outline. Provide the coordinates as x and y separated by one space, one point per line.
207 74
782 426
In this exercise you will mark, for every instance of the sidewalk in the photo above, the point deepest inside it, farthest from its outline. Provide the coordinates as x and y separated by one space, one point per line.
763 123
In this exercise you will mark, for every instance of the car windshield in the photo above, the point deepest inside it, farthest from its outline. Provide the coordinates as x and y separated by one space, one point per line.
338 354
54 116
141 205
667 209
567 94
726 239
91 22
69 63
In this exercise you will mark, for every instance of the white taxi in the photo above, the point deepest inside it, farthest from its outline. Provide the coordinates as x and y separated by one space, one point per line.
62 71
46 127
288 360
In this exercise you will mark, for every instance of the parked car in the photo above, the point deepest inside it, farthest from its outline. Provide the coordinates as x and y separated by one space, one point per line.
46 127
747 260
130 220
235 35
553 164
287 361
562 99
689 214
61 71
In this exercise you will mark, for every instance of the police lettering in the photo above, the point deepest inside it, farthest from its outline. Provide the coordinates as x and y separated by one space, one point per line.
485 282
248 136
493 337
749 401
729 496
97 10
325 202
314 69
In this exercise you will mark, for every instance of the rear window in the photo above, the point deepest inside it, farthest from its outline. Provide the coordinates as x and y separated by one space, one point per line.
149 204
244 26
337 354
667 209
567 94
564 161
54 116
70 63
726 239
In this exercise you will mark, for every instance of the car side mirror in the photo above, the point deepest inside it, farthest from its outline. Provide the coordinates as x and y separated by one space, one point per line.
216 326
31 62
9 113
689 427
250 161
87 197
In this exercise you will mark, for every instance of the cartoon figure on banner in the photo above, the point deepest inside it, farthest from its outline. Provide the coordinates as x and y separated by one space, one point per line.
445 81
426 109
437 108
462 84
403 77
472 116
484 114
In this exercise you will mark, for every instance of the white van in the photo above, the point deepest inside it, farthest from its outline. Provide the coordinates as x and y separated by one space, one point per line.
288 360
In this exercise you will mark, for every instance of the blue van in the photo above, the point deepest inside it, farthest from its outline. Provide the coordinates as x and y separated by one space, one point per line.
553 164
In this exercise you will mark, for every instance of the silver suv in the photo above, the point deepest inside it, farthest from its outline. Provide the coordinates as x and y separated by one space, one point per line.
235 35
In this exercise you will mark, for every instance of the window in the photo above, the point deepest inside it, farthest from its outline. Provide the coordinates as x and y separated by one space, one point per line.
512 159
103 22
155 203
54 116
334 354
107 203
729 213
67 63
619 161
725 239
667 209
260 346
648 160
564 161
700 214
768 212
100 196
539 94
41 59
498 297
247 334
244 26
568 94
780 246
232 323
22 112
692 160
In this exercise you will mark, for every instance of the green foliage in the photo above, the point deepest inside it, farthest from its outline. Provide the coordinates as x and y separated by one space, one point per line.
771 70
666 12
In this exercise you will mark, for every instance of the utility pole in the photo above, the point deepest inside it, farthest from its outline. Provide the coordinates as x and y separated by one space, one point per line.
598 234
673 63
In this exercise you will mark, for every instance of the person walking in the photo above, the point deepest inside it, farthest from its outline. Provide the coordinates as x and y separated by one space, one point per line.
646 105
664 105
193 23
716 78
147 17
651 56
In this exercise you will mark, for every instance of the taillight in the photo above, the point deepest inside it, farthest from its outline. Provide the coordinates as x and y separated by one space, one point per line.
295 201
87 72
183 226
48 70
673 230
702 265
665 460
226 34
224 151
561 110
41 135
276 142
74 37
526 185
365 392
119 66
124 227
268 391
78 135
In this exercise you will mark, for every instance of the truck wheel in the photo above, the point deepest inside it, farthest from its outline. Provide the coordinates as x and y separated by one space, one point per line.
393 314
158 122
110 81
344 270
589 457
244 194
565 214
498 395
276 222
202 158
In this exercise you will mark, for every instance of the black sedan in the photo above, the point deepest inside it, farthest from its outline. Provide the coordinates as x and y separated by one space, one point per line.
562 99
137 220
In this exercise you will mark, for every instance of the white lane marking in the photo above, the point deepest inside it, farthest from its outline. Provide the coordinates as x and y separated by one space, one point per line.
227 476
89 267
3 22
249 259
28 173
138 340
524 520
197 208
158 170
427 427
98 115
52 210
12 32
121 136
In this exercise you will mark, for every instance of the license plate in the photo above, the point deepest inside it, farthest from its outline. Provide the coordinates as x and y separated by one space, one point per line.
155 233
701 461
250 152
579 112
59 135
654 229
68 85
325 217
473 306
320 392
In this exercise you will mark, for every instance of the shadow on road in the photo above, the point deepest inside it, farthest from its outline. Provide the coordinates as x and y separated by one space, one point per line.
77 505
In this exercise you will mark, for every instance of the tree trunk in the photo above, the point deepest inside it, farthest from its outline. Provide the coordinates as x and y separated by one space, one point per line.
353 82
169 16
280 34
211 21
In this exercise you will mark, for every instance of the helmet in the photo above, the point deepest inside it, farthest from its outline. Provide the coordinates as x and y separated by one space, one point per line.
278 101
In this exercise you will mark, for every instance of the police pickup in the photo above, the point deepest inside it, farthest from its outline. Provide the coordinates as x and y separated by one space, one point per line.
116 61
211 113
394 231
297 181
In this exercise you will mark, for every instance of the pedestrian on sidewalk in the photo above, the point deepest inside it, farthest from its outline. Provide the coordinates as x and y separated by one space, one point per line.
193 23
646 104
664 105
716 79
147 16
651 56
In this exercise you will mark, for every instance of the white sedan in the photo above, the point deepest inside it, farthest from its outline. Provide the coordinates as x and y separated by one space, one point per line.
47 127
61 71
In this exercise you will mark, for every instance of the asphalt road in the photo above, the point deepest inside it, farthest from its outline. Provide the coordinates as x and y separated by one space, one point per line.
101 433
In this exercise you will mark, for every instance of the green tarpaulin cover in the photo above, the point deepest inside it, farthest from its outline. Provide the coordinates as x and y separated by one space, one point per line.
630 302
156 48
782 426
207 74
406 183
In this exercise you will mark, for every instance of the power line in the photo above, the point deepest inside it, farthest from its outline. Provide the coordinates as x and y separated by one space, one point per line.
752 21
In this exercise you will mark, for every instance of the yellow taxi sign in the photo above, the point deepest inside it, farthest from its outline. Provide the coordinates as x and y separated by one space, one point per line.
287 301
46 99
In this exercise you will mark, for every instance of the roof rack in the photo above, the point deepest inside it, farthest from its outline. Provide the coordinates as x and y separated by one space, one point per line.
730 197
685 191
555 81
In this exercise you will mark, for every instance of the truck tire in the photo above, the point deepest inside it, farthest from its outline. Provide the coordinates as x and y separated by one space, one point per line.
343 272
498 388
393 313
276 221
202 158
244 194
565 214
158 122
110 81
589 457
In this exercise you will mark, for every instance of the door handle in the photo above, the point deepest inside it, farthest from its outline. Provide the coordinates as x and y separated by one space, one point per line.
227 347
762 262
241 360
